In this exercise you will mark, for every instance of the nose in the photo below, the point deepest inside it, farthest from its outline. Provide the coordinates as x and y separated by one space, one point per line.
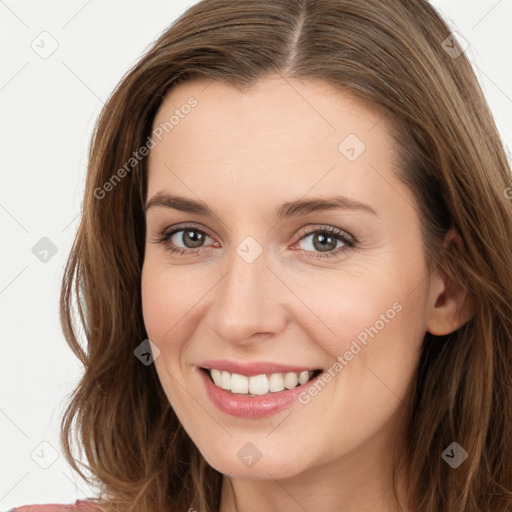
248 301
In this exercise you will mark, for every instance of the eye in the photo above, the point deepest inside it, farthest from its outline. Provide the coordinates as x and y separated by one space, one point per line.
190 238
184 239
319 243
326 242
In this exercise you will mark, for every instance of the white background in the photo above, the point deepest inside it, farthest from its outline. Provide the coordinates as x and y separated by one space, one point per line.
47 110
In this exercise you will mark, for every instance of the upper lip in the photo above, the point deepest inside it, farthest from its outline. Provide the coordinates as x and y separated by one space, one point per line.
250 369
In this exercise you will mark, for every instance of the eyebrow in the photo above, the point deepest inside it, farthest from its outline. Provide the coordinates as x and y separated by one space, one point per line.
288 209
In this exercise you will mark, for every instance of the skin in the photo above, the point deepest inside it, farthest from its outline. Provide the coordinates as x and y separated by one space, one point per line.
244 154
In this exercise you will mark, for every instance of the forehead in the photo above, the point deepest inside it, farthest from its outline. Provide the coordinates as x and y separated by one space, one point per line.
260 107
280 136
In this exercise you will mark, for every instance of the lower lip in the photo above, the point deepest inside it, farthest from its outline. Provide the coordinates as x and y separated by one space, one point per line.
252 407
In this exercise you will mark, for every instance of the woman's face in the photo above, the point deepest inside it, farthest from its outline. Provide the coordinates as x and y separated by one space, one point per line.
297 251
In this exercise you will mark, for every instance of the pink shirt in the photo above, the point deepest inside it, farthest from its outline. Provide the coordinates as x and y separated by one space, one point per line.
78 506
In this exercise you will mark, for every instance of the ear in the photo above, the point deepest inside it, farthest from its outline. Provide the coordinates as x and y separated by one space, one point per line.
451 306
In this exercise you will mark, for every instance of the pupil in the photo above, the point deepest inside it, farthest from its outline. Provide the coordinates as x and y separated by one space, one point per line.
192 239
324 243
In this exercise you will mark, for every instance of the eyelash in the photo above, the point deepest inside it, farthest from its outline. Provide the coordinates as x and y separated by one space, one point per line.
348 241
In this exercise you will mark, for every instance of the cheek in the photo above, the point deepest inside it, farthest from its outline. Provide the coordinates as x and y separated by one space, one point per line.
168 303
169 297
338 307
372 320
158 306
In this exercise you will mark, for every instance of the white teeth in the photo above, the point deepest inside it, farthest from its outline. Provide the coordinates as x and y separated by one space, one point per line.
239 384
258 384
216 376
303 377
225 381
291 380
276 382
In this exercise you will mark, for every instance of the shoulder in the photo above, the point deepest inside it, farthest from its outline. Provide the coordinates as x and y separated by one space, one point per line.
78 506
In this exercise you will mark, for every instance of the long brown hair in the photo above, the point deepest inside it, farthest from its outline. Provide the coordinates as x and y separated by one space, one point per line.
395 54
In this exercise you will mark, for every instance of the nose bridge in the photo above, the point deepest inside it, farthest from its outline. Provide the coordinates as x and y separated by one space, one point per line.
246 299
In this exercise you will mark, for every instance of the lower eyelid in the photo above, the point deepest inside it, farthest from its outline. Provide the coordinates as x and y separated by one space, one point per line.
327 254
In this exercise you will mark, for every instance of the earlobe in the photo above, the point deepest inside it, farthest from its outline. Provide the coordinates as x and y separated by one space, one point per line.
451 304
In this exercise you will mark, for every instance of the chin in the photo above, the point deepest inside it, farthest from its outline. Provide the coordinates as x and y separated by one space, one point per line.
277 466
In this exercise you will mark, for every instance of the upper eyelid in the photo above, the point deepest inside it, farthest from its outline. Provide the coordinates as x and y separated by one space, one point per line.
329 229
168 232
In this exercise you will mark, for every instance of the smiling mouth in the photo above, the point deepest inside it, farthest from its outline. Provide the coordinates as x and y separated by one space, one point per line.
259 385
